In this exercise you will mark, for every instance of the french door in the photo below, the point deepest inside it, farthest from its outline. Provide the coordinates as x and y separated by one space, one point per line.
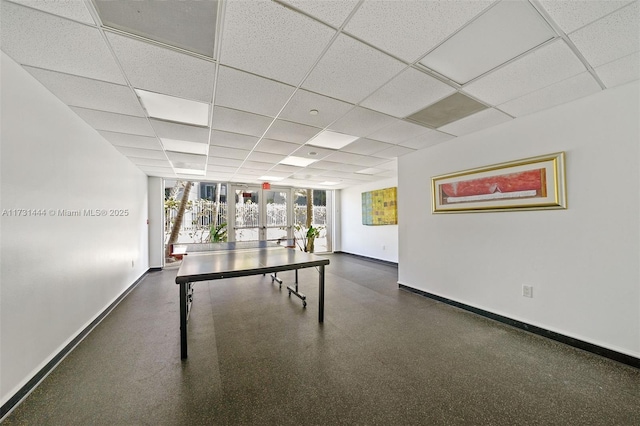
260 214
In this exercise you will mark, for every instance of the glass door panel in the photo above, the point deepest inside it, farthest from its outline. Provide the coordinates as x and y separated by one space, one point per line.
246 226
276 207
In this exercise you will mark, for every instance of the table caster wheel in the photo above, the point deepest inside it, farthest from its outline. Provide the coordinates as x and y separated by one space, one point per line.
304 304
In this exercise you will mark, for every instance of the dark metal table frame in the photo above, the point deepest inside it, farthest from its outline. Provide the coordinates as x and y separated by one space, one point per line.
186 281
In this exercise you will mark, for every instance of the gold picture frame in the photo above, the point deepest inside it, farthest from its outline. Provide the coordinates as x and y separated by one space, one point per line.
535 183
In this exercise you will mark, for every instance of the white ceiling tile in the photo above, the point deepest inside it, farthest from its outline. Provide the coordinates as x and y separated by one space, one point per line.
155 169
328 109
181 132
244 91
476 122
234 121
41 40
325 165
88 93
333 12
407 93
285 168
543 67
621 71
162 70
131 141
574 14
225 152
226 162
505 31
389 165
366 146
354 159
150 162
268 39
398 132
217 168
409 29
233 140
564 91
394 151
102 120
180 158
255 166
361 122
266 157
313 152
430 138
75 10
276 147
142 153
610 38
288 131
351 70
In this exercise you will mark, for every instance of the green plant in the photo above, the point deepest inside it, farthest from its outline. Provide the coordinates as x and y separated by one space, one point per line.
305 239
218 234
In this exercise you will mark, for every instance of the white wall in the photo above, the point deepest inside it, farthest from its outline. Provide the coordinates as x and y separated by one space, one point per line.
363 240
583 262
58 273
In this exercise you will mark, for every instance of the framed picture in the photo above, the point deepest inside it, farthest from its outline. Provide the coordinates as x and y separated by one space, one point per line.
528 184
379 207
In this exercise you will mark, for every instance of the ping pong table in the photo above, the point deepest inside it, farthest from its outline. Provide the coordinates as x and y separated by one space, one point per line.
214 261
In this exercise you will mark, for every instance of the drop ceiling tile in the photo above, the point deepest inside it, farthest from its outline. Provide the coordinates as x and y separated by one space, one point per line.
543 67
75 10
328 109
333 12
308 173
361 122
219 177
285 168
234 121
161 70
180 132
41 40
502 33
476 122
621 71
355 159
132 141
389 165
255 166
398 132
610 38
394 151
432 137
410 91
266 157
288 131
351 70
276 147
150 162
225 152
225 162
216 168
233 140
88 93
571 15
409 29
268 39
155 169
559 93
186 25
313 152
151 154
447 110
248 92
102 120
365 146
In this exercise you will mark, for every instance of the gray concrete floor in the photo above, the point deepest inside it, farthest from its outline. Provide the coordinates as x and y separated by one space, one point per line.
382 357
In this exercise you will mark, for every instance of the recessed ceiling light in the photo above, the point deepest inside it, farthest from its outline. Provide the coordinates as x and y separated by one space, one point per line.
333 140
329 183
189 171
270 178
313 112
369 171
185 146
171 108
313 153
297 161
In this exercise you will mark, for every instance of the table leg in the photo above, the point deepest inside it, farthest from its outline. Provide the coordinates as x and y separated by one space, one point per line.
321 295
183 320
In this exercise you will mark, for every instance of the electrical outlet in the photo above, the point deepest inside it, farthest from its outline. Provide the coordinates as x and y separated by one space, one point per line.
527 291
